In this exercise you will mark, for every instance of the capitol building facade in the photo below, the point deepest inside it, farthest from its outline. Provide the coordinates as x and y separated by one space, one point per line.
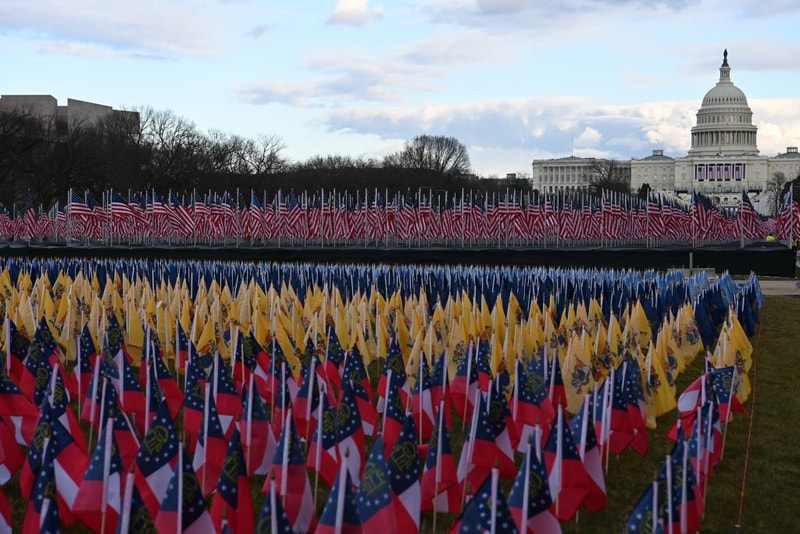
722 162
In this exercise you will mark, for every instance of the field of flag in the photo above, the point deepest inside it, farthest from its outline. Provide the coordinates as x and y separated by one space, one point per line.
150 394
414 218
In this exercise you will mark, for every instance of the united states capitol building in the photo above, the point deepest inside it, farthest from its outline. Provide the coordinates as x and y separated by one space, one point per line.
723 159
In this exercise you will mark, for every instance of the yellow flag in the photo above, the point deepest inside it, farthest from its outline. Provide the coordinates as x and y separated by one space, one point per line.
576 371
691 343
660 380
135 333
640 326
207 341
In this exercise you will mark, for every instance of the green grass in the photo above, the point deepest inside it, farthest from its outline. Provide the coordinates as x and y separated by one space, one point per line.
752 486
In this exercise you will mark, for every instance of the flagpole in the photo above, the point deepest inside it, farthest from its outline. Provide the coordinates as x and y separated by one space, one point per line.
249 428
205 437
106 474
179 518
125 513
147 383
493 528
318 455
526 490
438 472
93 407
285 459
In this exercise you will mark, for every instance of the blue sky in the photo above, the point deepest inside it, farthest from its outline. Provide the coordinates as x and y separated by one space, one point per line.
513 80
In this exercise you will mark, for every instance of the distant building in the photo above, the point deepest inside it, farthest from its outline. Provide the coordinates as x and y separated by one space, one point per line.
75 112
574 173
722 162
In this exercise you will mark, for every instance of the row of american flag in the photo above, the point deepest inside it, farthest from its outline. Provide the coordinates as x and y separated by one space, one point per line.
178 432
419 218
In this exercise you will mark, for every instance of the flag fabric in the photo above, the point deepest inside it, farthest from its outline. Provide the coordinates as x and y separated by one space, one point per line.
404 471
124 433
506 437
350 433
374 497
42 355
306 400
156 459
5 513
291 478
11 456
17 346
394 415
529 500
211 445
487 511
362 390
226 397
340 515
99 499
323 456
69 466
232 500
18 410
440 489
36 449
646 515
464 385
134 516
724 384
422 400
86 356
568 480
183 508
195 399
258 441
42 513
531 404
272 517
166 382
583 430
680 511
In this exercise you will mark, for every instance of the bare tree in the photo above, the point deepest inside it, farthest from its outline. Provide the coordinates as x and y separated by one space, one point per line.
608 175
264 155
177 148
775 188
441 155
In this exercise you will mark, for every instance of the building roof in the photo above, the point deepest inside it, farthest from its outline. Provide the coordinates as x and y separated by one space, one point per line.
725 93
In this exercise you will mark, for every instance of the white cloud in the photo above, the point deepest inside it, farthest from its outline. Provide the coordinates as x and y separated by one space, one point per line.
146 27
543 127
589 137
354 13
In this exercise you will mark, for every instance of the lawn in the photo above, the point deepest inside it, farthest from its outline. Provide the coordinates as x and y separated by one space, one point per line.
761 457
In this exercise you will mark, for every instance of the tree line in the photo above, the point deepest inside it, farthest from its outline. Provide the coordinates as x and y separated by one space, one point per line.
43 157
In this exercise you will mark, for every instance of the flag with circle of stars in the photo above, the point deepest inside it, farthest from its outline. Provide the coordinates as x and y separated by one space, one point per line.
404 471
374 497
211 445
641 518
342 490
272 519
539 497
157 456
349 431
44 489
139 519
482 510
233 497
87 505
191 504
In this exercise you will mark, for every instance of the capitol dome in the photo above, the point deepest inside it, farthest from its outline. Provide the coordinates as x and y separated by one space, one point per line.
724 94
724 120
